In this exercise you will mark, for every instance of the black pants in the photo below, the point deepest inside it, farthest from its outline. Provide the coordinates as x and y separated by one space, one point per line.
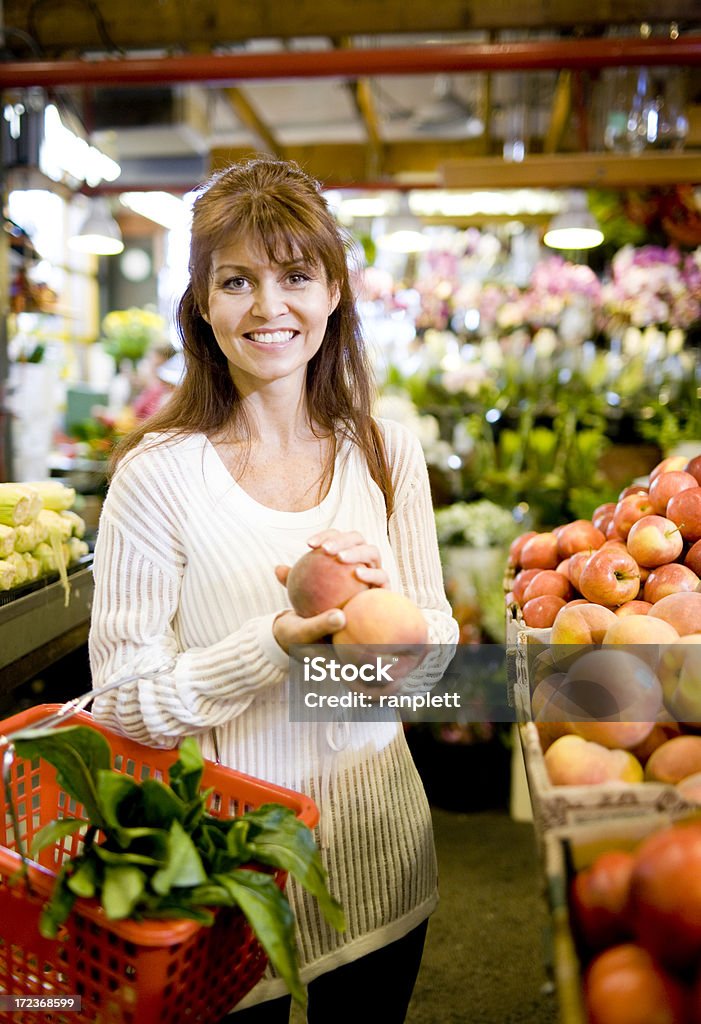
374 989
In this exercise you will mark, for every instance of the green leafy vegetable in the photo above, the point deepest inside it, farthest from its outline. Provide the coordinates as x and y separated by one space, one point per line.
152 850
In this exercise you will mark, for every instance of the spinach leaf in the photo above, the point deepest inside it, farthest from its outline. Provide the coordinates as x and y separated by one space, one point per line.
121 890
55 831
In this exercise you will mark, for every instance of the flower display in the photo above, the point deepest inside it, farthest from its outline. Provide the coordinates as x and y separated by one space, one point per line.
652 286
476 524
128 334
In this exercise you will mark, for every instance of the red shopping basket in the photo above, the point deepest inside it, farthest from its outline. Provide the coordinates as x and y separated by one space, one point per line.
125 972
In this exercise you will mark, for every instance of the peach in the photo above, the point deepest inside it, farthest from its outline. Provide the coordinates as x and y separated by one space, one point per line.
614 735
539 612
548 732
581 624
382 617
642 635
681 610
679 673
318 581
659 734
674 760
634 608
689 788
612 684
544 692
573 761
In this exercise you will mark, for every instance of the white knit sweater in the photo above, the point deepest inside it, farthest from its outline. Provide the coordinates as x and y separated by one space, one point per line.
184 582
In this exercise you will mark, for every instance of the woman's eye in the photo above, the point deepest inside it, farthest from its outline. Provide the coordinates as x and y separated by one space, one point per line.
298 277
236 283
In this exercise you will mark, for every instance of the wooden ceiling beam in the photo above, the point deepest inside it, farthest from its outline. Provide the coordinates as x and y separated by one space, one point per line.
63 27
251 120
575 170
559 113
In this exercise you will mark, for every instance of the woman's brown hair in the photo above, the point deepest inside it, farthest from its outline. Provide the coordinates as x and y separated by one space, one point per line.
274 204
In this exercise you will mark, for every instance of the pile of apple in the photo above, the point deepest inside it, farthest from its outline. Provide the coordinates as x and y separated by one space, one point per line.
636 919
621 597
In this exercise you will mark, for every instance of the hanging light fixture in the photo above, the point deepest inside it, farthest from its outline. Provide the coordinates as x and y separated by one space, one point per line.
575 227
99 234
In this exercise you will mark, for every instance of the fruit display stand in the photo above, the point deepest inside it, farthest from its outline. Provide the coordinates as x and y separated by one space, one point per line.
563 856
557 808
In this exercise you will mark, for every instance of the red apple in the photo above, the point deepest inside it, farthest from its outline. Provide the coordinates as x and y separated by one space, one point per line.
579 535
610 577
540 612
693 466
516 547
670 464
602 515
672 578
635 607
682 610
665 894
625 985
540 552
666 485
654 540
692 559
576 564
633 489
684 509
629 510
598 899
548 581
521 581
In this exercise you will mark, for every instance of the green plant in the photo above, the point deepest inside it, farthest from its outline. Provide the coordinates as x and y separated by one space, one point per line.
151 849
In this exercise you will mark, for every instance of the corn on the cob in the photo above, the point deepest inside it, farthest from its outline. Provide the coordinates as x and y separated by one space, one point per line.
54 494
76 521
55 524
21 570
28 535
16 504
8 536
76 549
7 574
46 558
32 565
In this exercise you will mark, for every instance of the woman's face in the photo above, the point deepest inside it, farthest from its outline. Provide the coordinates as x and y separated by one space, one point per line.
268 319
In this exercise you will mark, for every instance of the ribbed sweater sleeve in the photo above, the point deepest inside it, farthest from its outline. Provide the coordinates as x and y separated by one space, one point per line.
138 568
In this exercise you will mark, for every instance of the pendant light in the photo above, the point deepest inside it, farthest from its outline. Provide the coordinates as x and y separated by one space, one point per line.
575 227
99 233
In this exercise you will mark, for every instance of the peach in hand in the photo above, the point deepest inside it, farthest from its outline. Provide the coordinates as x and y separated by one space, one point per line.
318 581
379 617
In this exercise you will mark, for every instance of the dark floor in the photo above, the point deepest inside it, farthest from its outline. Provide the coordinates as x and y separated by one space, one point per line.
486 951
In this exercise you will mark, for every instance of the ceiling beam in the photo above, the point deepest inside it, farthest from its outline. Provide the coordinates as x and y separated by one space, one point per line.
532 55
574 170
61 27
250 119
559 113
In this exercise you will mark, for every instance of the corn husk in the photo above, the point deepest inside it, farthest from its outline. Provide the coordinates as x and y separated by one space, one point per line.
28 535
76 521
54 494
32 565
8 536
55 524
17 504
21 570
7 574
77 548
46 557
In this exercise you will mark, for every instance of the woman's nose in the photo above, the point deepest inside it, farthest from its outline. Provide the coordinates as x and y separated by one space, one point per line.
268 301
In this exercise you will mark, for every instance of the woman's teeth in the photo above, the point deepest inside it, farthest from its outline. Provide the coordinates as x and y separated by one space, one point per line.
271 337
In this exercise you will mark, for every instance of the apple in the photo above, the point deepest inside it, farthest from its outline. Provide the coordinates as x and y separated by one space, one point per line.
629 510
540 552
581 623
610 577
673 578
598 899
624 984
665 895
671 463
577 561
539 612
602 515
548 581
516 547
521 581
633 489
666 485
579 535
684 509
654 540
635 607
693 466
681 610
692 559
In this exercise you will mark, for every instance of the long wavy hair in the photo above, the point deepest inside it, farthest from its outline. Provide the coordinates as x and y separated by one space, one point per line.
275 205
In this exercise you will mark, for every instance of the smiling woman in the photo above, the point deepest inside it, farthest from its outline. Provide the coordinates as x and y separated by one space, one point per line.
267 449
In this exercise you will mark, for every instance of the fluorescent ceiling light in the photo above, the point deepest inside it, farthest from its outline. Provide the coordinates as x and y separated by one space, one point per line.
99 233
574 227
161 207
363 206
404 241
501 203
